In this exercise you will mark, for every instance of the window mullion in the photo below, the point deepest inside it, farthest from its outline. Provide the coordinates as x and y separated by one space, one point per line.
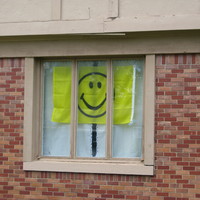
109 111
41 105
73 110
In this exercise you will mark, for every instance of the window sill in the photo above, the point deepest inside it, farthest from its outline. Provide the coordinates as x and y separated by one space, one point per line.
128 168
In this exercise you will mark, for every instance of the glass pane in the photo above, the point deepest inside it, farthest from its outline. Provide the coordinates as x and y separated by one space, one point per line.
127 108
56 109
91 131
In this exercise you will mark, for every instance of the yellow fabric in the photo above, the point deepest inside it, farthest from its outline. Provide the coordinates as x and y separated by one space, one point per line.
61 94
92 94
123 94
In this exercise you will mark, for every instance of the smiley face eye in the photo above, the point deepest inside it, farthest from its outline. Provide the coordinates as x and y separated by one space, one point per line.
99 84
91 84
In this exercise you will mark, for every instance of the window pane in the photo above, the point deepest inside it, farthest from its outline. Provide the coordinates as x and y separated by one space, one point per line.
56 113
127 108
91 131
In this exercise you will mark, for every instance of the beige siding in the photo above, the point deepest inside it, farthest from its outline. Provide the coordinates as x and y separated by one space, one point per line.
47 17
133 8
25 11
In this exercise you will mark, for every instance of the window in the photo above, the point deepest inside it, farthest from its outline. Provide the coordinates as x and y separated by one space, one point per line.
90 115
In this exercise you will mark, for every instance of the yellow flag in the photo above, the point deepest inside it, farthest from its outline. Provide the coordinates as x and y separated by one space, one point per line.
61 94
124 94
92 94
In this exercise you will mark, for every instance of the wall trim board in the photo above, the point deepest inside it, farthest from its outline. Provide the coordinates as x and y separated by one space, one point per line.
93 45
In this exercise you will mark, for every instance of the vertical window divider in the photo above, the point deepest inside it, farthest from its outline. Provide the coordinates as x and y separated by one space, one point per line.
74 106
41 104
109 106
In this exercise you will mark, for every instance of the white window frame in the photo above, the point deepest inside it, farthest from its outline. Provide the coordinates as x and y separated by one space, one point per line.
32 110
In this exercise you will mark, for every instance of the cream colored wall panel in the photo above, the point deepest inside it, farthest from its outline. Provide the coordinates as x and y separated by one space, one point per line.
165 23
51 28
153 23
25 10
113 9
56 9
48 17
84 9
133 8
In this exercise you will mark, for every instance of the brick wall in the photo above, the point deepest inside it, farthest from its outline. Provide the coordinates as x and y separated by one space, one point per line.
177 156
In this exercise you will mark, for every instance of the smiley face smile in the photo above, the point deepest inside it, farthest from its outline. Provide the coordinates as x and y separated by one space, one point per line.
92 107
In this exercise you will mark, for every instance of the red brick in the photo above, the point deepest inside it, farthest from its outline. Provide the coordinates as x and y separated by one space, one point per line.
59 194
182 145
163 167
162 185
189 141
195 93
3 192
194 163
112 191
164 106
71 186
175 176
182 199
169 198
171 75
177 71
160 93
8 187
24 184
177 97
194 119
190 79
194 172
24 192
7 196
47 193
162 194
177 123
189 168
119 196
137 184
3 183
30 188
170 172
182 181
106 196
157 180
171 119
131 197
94 187
183 101
184 59
188 186
177 106
176 133
82 195
100 199
189 114
100 191
113 183
173 93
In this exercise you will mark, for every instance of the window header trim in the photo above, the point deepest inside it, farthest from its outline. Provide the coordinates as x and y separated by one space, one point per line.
74 45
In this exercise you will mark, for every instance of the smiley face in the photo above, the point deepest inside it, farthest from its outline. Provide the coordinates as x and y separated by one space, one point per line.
92 95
